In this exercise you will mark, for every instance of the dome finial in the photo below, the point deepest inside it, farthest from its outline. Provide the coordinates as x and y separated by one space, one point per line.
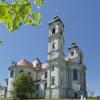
56 12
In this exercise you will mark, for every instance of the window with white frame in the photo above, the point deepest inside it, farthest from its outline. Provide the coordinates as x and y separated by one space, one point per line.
53 45
45 74
53 67
53 80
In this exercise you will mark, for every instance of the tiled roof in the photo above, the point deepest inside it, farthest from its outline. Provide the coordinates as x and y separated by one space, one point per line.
24 63
44 66
36 64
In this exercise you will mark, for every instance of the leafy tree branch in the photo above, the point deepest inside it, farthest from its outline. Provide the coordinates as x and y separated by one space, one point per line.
15 14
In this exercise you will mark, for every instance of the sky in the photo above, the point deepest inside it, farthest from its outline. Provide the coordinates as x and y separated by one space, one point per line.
81 19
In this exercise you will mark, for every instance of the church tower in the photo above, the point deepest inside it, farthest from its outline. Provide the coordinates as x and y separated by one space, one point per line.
55 79
76 72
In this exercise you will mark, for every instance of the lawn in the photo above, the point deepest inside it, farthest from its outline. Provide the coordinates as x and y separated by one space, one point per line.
45 99
34 99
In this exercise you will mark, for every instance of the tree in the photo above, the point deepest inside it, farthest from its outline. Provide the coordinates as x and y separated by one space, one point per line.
23 86
15 14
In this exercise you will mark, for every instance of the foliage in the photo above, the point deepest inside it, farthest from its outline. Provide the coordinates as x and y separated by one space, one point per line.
94 97
19 12
46 99
98 97
23 86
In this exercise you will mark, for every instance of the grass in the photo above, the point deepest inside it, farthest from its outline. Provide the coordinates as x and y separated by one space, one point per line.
44 99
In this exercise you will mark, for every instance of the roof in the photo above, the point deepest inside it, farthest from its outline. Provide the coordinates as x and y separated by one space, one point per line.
24 63
73 45
35 65
44 66
56 18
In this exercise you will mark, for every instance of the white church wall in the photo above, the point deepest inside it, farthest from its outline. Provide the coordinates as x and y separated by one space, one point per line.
55 75
10 87
38 75
54 93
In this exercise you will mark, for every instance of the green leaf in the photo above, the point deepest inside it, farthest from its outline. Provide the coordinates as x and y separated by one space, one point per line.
14 14
35 22
25 1
27 21
36 15
38 3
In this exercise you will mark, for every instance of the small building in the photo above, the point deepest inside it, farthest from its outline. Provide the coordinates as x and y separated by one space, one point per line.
36 69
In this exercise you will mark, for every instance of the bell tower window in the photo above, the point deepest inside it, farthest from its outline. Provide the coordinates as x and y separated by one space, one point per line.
72 53
53 31
53 45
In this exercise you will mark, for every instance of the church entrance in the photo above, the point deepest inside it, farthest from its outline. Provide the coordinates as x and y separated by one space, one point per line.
75 95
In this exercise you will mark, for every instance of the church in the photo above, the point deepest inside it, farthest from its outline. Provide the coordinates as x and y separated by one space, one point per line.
62 76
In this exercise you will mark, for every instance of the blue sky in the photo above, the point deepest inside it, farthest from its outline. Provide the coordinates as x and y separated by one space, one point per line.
82 24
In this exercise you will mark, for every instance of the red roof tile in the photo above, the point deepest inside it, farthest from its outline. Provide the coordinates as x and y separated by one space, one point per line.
25 63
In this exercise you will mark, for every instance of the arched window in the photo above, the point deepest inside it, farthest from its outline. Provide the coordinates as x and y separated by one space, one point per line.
53 30
45 74
53 67
53 45
75 74
53 80
11 73
72 53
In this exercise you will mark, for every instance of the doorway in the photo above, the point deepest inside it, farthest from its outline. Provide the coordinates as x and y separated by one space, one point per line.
75 95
